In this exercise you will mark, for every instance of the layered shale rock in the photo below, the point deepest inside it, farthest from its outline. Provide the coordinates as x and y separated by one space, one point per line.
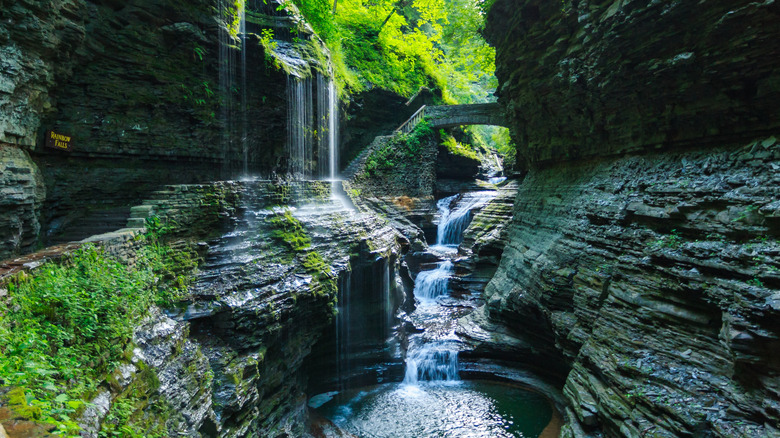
259 307
643 275
151 94
586 78
21 197
655 279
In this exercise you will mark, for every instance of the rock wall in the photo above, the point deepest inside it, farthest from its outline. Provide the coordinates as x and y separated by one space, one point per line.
21 197
152 94
584 78
655 278
641 269
229 360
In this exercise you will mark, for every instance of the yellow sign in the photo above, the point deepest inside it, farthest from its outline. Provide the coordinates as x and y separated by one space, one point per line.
59 141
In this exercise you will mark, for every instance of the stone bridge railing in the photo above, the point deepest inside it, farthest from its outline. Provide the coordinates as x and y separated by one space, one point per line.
445 116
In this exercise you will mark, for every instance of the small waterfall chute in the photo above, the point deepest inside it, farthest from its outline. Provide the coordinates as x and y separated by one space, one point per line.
431 362
433 283
300 120
456 214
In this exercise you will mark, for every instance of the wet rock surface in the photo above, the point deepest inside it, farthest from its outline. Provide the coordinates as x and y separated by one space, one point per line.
648 284
256 312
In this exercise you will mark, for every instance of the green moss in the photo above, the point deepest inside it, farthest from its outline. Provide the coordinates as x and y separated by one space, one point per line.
286 228
279 193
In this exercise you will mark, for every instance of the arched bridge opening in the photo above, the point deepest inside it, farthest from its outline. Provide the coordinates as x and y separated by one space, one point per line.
446 116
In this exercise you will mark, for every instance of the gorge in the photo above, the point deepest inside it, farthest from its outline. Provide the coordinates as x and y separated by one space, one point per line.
245 238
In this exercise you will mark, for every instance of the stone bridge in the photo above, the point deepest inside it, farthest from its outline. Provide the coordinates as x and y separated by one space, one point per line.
445 116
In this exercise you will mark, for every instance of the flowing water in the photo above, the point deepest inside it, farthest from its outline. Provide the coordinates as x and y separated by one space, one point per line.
456 213
432 401
300 123
312 127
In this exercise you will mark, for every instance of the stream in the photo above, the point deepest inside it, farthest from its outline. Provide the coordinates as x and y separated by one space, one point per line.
432 400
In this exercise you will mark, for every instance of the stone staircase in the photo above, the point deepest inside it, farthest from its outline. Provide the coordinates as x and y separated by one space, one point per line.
95 222
358 162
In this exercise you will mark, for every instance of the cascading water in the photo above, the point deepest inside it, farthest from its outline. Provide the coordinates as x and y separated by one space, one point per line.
433 283
455 220
300 121
431 362
431 400
232 77
304 127
333 129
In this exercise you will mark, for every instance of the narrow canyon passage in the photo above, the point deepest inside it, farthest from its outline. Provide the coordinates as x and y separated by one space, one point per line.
389 218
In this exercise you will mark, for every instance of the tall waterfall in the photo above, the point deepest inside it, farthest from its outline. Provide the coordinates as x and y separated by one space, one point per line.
232 76
300 123
307 128
333 130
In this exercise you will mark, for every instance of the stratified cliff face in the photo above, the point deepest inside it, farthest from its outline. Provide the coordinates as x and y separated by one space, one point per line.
151 93
589 78
646 279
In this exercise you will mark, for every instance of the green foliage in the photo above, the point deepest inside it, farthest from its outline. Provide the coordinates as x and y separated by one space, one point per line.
288 229
231 14
457 148
399 151
199 52
673 240
402 46
269 45
68 324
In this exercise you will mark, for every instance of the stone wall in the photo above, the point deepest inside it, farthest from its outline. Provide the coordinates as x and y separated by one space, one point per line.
21 197
581 78
152 94
654 278
229 360
641 264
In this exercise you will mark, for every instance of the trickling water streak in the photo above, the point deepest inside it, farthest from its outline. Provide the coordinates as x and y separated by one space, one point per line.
343 344
333 129
431 284
323 136
232 82
242 34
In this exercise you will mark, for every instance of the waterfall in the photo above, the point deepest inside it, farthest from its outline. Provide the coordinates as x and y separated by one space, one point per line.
232 57
433 283
333 129
455 219
300 122
431 362
343 341
323 124
305 132
242 35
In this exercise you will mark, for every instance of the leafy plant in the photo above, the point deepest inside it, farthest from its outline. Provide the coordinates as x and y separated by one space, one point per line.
199 52
67 325
400 150
456 148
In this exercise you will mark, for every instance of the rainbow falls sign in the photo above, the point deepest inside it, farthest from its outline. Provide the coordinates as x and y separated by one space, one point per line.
55 140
